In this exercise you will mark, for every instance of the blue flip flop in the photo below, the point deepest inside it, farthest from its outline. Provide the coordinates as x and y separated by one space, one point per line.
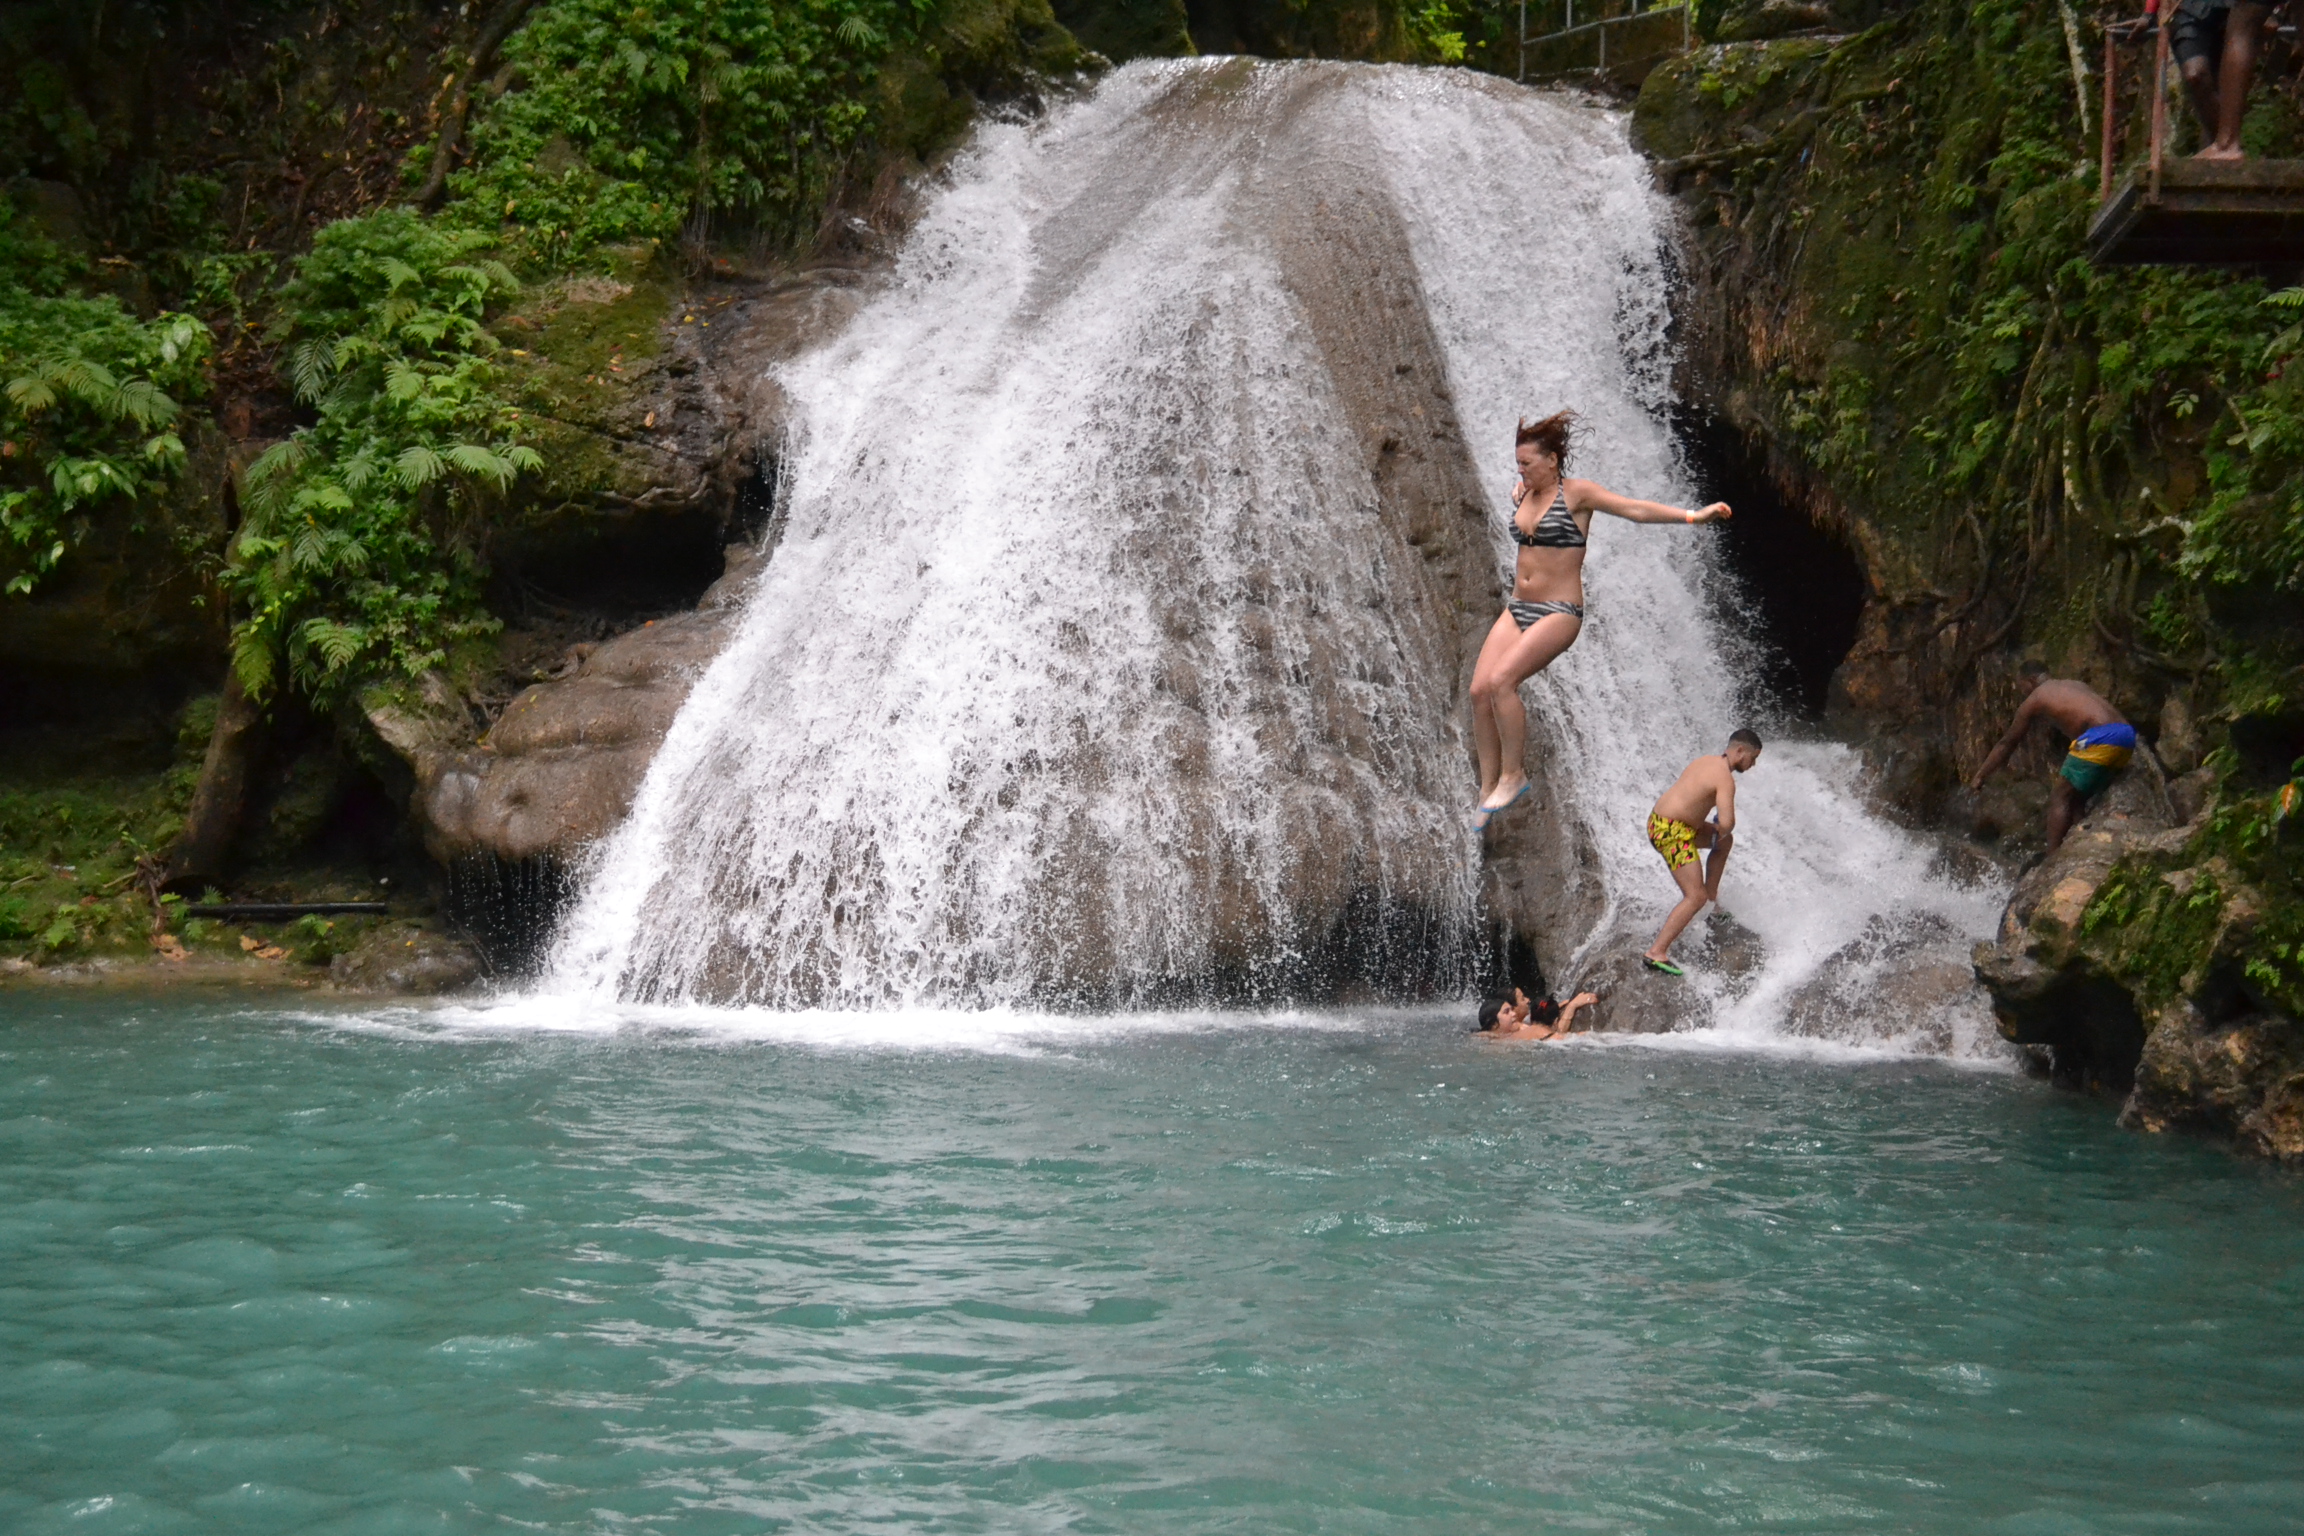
1518 795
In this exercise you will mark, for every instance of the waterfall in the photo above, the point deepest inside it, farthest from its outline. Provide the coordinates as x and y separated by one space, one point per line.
1566 304
1104 658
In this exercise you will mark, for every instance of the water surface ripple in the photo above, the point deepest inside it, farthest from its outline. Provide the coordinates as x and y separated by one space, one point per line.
334 1273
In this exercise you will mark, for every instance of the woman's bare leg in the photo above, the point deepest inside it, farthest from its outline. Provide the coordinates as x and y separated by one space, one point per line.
1501 638
1496 692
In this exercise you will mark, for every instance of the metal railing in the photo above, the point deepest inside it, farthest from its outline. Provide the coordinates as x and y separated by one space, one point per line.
1601 27
2151 28
2116 33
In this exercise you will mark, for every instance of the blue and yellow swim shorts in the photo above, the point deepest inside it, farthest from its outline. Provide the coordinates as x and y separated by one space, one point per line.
1676 840
2097 756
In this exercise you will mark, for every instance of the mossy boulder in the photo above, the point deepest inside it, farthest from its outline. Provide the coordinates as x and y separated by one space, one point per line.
2167 964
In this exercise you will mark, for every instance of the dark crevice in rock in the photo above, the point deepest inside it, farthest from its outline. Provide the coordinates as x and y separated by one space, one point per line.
1804 585
649 564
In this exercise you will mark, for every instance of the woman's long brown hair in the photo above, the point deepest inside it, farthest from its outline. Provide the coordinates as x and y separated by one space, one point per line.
1551 434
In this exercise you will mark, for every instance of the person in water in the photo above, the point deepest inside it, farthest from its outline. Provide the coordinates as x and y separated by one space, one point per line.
1516 1018
1551 516
1697 812
2102 745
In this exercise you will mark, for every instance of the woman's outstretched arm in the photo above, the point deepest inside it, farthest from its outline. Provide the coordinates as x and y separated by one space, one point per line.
1583 494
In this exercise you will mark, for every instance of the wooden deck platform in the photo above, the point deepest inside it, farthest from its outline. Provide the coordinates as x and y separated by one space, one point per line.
2218 213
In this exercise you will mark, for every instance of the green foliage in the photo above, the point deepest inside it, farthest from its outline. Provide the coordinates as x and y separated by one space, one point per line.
360 554
623 123
68 861
1437 31
88 402
1926 186
2160 931
2253 527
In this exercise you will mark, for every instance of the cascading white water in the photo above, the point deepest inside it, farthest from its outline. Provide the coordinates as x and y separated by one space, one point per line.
1081 668
1073 673
1563 302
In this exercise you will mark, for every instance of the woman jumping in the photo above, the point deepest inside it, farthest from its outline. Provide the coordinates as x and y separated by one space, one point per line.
1551 516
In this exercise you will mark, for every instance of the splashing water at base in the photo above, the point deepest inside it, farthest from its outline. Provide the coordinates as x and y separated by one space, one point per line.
1088 669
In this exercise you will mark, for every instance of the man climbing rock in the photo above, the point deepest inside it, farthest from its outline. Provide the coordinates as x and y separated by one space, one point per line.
2102 744
2215 45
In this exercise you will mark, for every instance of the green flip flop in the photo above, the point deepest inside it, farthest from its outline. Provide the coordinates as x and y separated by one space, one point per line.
1664 966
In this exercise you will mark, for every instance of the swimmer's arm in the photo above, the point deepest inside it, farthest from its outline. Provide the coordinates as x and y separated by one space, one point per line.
1585 496
1569 1010
2026 713
1724 811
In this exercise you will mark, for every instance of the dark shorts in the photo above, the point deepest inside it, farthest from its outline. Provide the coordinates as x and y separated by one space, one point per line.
2197 30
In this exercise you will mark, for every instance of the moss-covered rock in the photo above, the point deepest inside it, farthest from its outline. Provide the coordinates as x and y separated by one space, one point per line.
1889 303
2167 964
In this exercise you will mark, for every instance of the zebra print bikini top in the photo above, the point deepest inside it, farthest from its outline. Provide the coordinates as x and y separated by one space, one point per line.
1556 529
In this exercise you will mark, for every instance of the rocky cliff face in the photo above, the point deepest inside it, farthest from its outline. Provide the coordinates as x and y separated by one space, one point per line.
1887 304
1346 731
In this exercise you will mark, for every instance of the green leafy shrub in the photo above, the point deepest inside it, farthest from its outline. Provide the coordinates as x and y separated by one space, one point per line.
2253 527
68 860
361 556
1927 185
88 399
622 122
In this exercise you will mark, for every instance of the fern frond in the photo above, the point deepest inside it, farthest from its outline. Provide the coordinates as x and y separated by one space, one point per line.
419 466
476 460
253 661
32 393
311 365
89 382
339 645
142 401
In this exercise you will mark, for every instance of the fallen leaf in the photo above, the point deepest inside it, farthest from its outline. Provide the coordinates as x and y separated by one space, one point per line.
650 421
169 947
249 944
271 952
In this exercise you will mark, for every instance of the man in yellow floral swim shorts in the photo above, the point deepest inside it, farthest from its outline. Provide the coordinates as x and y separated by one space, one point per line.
1698 811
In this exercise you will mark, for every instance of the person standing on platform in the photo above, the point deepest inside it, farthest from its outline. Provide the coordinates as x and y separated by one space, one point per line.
2215 46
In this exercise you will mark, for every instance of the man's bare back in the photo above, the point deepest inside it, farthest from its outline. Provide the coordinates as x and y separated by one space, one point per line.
1702 785
2073 705
2074 709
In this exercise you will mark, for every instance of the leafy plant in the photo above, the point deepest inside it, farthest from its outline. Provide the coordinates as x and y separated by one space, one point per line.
88 402
360 556
623 122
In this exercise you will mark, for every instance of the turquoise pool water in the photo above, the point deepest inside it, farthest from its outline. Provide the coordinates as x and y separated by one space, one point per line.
399 1273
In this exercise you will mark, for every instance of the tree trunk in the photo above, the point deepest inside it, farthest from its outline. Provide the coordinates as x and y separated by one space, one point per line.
212 825
451 140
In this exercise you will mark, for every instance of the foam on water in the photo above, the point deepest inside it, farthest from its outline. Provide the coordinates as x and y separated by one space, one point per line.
950 677
996 1031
